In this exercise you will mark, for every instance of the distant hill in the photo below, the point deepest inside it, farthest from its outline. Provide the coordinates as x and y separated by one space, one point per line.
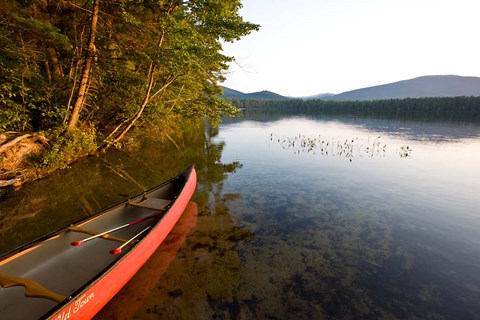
427 86
232 94
421 87
324 96
261 95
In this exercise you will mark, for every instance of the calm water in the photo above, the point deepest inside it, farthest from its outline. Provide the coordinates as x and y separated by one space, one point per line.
293 218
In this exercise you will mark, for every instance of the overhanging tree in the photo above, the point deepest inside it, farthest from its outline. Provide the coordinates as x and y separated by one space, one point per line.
118 64
185 64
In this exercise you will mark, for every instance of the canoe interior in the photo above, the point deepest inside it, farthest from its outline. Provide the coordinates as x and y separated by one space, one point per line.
65 269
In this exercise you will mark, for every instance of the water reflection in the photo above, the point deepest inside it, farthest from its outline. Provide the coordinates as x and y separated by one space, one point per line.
282 235
431 131
129 300
396 238
207 264
434 130
98 182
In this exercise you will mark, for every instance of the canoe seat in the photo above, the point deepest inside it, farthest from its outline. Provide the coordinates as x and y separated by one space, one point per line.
152 203
32 288
93 233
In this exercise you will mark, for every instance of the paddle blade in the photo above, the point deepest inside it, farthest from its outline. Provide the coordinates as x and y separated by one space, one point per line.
77 243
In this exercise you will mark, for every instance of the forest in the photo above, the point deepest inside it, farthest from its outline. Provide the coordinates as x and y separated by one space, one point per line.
465 109
83 74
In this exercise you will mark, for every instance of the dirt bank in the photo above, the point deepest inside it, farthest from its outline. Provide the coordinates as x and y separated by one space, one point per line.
16 151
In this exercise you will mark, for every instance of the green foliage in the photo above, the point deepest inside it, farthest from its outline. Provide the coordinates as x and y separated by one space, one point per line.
11 115
32 92
66 147
43 30
176 46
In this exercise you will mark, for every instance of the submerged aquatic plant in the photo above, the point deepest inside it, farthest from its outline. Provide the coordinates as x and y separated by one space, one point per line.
348 148
405 151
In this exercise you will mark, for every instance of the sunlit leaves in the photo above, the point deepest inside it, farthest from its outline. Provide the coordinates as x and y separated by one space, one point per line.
42 45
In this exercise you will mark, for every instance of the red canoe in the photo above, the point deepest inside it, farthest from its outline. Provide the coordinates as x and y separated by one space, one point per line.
74 272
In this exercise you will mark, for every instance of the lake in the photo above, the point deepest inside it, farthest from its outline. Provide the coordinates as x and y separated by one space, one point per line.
295 217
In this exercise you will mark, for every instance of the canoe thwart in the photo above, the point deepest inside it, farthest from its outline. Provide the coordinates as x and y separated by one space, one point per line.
152 203
93 233
32 288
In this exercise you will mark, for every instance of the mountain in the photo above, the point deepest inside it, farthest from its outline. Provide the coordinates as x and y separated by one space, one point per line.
321 96
261 95
426 86
232 94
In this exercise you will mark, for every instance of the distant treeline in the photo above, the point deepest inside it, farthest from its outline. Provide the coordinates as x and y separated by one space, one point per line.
449 108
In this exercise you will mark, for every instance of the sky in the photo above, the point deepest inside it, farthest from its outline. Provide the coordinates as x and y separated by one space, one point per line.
308 47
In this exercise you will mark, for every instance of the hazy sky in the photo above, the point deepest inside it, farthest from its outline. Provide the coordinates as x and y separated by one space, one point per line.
306 47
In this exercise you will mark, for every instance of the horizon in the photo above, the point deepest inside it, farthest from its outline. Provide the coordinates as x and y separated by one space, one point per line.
306 47
332 93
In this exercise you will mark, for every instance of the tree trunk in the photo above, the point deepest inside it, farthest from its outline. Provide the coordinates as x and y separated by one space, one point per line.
151 80
89 55
146 99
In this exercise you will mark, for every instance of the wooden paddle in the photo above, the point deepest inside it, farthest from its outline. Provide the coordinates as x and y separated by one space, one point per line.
32 288
119 249
80 242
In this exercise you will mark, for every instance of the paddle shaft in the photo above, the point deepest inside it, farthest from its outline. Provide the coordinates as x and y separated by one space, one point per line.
77 243
119 249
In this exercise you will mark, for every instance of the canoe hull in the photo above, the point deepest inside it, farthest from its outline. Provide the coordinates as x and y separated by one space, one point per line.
90 299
